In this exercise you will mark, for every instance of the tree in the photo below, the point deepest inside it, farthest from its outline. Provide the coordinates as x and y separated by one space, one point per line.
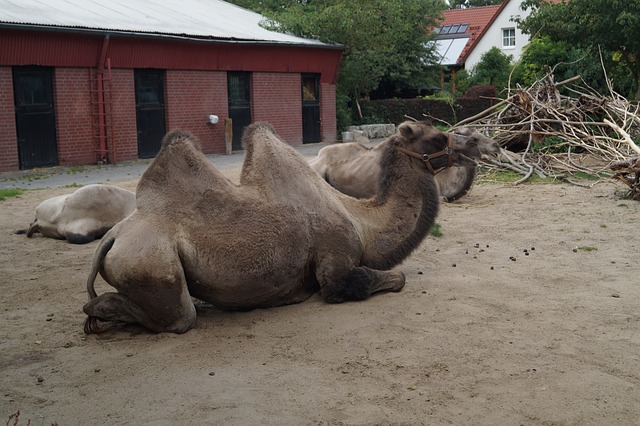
382 38
493 69
608 26
542 54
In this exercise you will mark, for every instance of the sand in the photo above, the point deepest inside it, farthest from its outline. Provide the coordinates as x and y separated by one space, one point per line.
524 312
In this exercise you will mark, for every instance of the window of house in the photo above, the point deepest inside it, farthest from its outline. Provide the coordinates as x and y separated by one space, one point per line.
508 37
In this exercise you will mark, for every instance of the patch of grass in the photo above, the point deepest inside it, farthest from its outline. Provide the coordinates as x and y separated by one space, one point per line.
9 193
436 231
587 176
499 176
602 225
587 248
505 176
73 185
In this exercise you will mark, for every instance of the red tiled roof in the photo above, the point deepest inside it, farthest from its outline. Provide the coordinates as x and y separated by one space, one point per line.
478 18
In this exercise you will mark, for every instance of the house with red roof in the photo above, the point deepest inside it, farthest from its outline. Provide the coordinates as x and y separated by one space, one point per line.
466 34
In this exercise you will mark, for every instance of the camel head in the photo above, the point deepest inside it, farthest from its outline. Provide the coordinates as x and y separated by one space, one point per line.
437 149
486 145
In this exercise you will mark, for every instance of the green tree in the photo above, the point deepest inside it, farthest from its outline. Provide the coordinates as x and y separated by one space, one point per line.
566 60
382 38
607 26
493 69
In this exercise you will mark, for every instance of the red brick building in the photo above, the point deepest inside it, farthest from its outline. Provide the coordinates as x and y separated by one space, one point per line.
91 84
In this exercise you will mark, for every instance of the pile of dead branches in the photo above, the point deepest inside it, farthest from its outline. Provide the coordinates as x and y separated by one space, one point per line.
553 135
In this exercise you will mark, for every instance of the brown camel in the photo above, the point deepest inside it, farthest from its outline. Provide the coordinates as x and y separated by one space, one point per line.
278 237
353 168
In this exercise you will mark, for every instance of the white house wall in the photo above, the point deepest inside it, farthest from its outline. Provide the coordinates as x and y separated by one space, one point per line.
493 36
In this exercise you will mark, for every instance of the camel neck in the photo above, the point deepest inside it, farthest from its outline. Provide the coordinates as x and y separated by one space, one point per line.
395 222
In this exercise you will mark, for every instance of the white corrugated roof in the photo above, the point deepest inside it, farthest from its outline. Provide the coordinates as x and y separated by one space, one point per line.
188 18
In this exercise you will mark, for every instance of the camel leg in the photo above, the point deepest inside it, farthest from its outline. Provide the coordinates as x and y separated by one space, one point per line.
359 284
114 309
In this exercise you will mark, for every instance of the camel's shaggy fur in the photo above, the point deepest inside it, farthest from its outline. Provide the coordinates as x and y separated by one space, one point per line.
353 168
279 236
84 215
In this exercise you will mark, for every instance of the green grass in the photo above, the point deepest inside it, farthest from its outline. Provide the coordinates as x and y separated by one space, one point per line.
587 248
499 176
504 176
9 193
436 231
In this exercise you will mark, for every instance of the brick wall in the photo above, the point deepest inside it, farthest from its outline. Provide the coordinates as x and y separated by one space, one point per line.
190 97
328 112
8 138
72 103
277 99
123 103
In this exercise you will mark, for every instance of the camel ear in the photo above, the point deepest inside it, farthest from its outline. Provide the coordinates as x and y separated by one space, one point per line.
406 129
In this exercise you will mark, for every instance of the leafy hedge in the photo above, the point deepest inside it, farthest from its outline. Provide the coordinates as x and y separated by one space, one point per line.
394 110
474 101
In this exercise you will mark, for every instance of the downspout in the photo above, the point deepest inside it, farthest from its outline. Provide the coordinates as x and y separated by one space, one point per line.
101 115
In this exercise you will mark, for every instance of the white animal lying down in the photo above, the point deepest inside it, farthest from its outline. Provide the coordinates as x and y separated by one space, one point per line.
353 169
84 215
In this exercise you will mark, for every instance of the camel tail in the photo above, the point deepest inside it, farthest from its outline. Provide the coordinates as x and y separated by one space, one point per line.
102 250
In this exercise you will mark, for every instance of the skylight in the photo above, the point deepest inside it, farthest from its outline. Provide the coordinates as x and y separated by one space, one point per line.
452 29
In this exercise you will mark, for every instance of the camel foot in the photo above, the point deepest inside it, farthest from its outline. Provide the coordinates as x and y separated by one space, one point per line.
361 283
94 325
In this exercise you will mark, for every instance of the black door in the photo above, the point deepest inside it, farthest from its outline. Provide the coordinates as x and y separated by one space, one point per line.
239 90
310 109
150 114
35 118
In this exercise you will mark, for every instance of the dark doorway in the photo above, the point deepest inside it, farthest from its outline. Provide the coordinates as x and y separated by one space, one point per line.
310 108
150 114
35 116
239 90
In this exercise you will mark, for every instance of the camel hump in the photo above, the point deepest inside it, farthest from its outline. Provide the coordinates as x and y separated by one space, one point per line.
179 174
178 137
254 129
278 171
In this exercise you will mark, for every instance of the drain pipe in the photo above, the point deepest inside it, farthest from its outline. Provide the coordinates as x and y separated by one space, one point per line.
101 114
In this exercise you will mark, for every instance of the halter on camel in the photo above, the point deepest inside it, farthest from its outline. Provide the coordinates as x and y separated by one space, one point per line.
448 151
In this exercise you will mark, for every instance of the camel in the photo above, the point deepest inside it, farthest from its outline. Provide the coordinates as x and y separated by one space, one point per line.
276 238
353 168
82 216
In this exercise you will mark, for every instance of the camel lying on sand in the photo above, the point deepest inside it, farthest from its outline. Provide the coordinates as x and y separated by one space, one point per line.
353 168
84 215
278 237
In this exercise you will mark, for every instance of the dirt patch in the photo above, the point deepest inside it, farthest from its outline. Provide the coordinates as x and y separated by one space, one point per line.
525 311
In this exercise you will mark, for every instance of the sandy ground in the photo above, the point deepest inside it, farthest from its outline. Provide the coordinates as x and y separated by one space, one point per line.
507 319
